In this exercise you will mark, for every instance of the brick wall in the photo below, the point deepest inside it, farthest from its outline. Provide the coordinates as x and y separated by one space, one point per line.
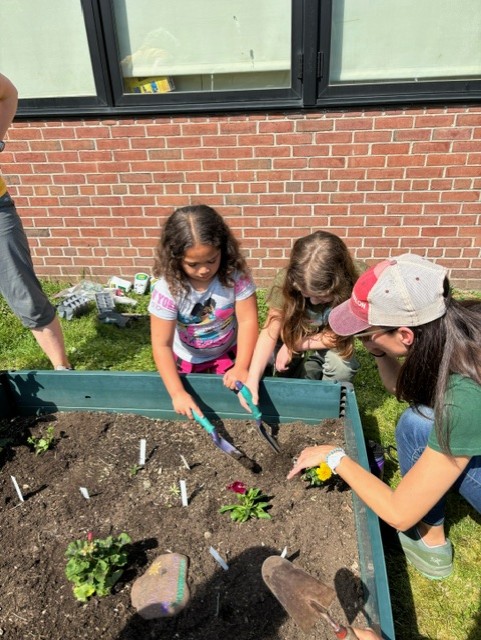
93 193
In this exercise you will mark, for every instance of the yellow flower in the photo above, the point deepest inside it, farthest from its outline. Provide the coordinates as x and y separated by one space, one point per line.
323 471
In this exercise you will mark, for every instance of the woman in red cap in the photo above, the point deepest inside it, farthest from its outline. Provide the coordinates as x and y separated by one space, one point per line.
403 308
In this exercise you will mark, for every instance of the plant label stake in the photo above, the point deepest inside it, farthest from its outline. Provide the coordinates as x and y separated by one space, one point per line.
186 464
143 447
17 489
85 493
183 493
218 559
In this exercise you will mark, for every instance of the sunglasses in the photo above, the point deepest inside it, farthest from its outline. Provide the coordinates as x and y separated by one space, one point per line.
372 332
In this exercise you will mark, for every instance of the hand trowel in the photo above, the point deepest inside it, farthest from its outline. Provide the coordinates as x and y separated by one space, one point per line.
305 598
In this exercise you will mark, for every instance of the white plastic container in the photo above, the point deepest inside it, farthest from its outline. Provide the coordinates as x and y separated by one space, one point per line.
120 283
141 282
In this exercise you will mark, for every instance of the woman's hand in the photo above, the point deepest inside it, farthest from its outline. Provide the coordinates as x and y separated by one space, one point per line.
310 457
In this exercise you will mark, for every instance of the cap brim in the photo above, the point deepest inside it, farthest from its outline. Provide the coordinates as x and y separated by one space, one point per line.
343 322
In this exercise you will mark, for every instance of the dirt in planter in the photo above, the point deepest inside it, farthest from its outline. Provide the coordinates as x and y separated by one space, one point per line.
98 451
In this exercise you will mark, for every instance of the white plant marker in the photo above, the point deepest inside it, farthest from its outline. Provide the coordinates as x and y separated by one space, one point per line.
143 448
183 493
85 493
186 464
17 489
218 559
284 552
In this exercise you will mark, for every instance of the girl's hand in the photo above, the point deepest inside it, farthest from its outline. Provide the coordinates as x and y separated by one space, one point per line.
254 389
310 457
183 404
283 358
233 375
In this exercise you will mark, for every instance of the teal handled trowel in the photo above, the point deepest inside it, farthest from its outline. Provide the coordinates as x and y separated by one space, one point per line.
225 446
219 441
256 412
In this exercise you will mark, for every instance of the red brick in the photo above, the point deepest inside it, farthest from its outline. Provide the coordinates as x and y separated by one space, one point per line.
274 176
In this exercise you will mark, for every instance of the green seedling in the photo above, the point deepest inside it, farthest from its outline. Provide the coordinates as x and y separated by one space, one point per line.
44 442
94 565
252 504
174 489
134 469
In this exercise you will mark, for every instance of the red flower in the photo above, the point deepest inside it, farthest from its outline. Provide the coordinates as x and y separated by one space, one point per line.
237 487
90 536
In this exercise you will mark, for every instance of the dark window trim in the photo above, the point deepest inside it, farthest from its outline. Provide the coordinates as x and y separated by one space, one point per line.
310 88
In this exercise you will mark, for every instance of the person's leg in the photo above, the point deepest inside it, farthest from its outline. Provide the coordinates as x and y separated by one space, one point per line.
338 369
425 544
50 340
21 289
412 433
313 365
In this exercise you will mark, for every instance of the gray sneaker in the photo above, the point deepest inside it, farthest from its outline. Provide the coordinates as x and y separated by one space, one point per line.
435 563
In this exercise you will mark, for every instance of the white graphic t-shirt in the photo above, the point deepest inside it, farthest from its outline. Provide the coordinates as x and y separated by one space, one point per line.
206 321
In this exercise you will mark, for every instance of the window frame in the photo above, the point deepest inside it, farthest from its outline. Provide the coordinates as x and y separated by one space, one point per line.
310 87
357 94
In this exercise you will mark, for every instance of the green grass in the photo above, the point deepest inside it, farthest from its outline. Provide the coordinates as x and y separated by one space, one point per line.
422 609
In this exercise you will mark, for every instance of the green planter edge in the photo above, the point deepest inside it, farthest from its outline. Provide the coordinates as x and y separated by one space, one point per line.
32 392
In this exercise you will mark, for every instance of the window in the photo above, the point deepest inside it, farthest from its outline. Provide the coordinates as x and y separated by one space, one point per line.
405 41
203 45
138 56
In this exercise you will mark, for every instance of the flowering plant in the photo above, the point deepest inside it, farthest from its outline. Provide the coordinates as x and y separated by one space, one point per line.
251 503
94 564
316 476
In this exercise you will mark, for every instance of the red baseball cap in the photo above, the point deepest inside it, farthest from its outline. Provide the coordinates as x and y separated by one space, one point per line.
404 291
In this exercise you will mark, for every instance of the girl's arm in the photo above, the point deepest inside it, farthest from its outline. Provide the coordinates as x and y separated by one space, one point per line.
325 339
162 336
247 332
264 348
419 490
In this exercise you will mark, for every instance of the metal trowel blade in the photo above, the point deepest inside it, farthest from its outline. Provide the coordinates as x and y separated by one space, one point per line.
303 597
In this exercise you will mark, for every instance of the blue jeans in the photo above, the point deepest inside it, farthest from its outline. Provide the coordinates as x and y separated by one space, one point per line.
412 433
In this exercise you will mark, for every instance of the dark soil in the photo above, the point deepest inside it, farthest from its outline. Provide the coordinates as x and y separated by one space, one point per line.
97 451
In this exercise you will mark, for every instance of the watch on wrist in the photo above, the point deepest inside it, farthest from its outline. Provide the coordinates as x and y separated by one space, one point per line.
334 457
2 145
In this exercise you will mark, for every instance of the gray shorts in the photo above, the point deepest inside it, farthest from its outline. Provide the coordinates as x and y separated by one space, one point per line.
18 283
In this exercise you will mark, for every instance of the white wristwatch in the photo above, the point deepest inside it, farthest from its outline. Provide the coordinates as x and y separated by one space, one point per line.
334 457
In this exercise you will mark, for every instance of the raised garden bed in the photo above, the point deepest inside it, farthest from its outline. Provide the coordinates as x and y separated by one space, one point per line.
99 449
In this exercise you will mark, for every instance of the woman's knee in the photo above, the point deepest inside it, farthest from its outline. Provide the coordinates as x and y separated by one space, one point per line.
412 433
